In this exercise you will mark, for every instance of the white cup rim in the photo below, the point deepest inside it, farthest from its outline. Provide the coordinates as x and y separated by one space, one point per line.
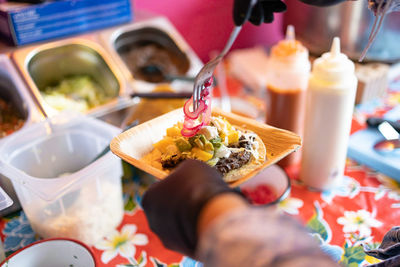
86 247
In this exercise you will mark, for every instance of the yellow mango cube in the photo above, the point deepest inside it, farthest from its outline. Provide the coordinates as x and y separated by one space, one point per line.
164 143
173 132
233 137
201 154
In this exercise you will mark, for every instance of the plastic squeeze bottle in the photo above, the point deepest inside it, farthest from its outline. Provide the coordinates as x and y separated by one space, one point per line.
287 80
330 103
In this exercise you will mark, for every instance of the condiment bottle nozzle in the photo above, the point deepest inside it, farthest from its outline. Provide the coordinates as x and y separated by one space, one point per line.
335 48
290 35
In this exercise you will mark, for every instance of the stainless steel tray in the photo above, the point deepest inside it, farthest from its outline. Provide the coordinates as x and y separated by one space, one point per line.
160 31
13 89
46 64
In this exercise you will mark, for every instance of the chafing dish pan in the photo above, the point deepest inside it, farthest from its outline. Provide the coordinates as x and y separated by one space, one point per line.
151 36
44 66
13 91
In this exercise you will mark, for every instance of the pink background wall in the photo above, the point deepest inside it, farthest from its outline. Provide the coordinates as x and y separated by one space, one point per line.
206 24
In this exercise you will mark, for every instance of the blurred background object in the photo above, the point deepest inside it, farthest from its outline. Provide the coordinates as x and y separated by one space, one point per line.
61 190
54 252
250 66
23 23
148 109
287 80
372 81
199 14
352 22
71 74
328 116
150 50
270 186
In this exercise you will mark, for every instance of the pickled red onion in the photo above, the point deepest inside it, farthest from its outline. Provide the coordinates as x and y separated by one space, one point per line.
189 132
193 114
195 120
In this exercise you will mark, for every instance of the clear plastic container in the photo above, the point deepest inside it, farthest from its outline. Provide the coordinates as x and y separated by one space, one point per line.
64 193
5 202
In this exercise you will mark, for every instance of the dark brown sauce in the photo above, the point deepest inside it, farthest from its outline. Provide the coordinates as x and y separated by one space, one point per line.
285 109
151 62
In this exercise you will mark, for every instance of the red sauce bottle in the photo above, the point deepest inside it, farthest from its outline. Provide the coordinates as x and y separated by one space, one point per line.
288 73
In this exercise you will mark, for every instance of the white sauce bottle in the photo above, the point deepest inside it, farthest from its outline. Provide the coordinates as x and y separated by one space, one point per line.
329 108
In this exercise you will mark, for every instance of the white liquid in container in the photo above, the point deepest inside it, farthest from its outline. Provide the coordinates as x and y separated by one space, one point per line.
329 108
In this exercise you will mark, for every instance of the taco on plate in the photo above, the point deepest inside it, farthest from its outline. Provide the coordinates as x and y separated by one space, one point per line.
233 151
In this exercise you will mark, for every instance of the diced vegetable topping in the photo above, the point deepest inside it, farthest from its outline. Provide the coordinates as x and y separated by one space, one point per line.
183 144
174 132
164 143
201 154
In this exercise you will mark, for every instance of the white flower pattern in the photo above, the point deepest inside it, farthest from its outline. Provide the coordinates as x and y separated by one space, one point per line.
290 205
391 186
360 221
348 187
123 243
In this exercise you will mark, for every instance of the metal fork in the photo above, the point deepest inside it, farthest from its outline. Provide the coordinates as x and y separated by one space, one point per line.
207 71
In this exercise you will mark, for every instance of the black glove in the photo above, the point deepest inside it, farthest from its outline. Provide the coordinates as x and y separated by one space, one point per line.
388 250
322 2
260 11
390 246
172 206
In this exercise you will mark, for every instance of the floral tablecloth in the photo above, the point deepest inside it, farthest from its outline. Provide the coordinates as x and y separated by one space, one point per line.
360 211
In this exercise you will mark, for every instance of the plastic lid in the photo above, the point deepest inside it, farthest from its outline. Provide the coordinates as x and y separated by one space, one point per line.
5 200
333 65
289 50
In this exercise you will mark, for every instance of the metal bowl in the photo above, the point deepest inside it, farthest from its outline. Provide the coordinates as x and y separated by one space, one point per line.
148 48
14 91
48 64
160 34
351 21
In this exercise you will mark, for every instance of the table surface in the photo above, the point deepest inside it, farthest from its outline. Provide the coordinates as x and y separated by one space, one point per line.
361 210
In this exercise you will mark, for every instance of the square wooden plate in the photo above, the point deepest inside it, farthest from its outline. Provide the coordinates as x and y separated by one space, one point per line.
138 141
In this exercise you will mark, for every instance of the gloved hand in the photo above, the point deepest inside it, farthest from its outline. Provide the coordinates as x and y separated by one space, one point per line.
261 11
172 206
322 2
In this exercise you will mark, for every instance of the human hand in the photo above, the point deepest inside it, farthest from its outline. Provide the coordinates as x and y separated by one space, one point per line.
322 2
172 206
261 11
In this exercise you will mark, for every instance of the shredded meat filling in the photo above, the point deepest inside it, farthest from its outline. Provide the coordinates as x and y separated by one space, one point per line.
234 161
172 161
243 142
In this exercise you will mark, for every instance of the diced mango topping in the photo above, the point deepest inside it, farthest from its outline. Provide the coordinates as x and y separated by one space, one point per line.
174 131
201 154
164 143
233 137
